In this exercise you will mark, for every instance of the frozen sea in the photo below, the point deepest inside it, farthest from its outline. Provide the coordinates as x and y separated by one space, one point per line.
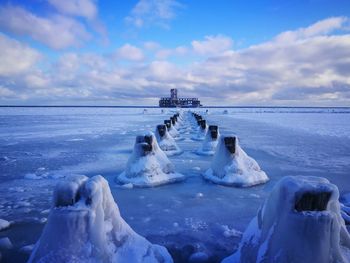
40 146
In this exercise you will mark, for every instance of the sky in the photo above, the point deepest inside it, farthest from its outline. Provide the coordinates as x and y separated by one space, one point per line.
226 52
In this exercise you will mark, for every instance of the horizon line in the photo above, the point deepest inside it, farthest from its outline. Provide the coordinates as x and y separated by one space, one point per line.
147 106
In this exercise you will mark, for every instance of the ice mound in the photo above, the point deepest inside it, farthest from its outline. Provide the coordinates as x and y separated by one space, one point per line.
201 130
166 142
172 130
196 118
232 166
85 225
210 141
148 165
176 121
299 222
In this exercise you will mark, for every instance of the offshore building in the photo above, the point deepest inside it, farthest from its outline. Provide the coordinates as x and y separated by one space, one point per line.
173 101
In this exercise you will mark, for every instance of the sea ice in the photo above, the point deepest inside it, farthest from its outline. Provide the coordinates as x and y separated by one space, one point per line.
148 165
299 222
232 166
85 226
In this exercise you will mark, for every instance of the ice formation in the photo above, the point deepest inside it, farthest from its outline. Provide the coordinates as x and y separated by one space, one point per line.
176 121
299 222
165 141
85 226
172 130
232 166
148 165
201 130
210 141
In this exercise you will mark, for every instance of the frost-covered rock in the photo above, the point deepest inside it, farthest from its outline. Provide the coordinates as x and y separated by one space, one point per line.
176 121
232 166
201 131
4 224
210 141
148 165
299 222
165 141
172 130
85 226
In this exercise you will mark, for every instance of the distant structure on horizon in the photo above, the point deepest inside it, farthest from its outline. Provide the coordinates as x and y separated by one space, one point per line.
173 101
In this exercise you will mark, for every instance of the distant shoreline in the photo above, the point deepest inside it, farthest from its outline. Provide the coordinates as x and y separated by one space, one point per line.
157 107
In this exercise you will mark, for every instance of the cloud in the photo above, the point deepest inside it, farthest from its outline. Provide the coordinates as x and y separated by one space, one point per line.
16 57
322 27
129 52
83 8
153 12
212 45
165 53
56 31
151 45
313 69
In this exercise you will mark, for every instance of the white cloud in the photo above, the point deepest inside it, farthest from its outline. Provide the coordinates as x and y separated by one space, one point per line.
321 27
129 52
165 53
83 8
5 92
56 31
212 45
150 12
151 45
16 57
309 70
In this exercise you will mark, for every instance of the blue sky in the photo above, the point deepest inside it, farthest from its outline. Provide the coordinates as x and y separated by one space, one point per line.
89 52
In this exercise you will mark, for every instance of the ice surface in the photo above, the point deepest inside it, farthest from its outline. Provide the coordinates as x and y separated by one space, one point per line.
148 165
85 226
232 166
172 215
299 222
